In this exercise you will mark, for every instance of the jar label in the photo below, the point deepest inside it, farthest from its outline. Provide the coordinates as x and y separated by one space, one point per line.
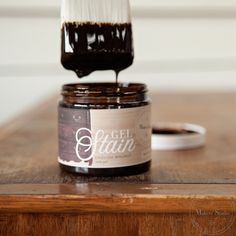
104 138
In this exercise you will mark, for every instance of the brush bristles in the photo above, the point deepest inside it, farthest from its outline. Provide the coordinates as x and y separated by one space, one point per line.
97 11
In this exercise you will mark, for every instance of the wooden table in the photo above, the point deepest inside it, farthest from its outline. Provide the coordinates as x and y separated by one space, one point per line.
186 192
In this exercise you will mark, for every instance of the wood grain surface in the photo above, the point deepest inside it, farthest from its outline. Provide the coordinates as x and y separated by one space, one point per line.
185 193
109 224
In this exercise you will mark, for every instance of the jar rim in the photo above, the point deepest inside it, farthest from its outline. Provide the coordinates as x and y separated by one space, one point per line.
103 89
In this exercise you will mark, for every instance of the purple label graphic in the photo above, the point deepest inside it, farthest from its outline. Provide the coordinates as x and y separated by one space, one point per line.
74 135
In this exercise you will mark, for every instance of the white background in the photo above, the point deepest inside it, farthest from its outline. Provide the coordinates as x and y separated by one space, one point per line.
183 45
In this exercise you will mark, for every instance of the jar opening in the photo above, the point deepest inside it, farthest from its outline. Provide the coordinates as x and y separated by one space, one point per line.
104 93
108 89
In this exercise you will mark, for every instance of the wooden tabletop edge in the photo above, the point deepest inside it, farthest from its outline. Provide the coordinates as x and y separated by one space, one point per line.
114 203
117 197
116 188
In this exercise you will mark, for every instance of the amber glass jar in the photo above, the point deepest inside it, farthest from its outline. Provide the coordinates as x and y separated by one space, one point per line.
104 129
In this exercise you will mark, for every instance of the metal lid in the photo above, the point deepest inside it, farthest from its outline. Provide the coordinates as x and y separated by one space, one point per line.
177 136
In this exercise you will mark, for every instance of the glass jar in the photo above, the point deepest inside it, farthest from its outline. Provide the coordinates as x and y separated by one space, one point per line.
105 129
